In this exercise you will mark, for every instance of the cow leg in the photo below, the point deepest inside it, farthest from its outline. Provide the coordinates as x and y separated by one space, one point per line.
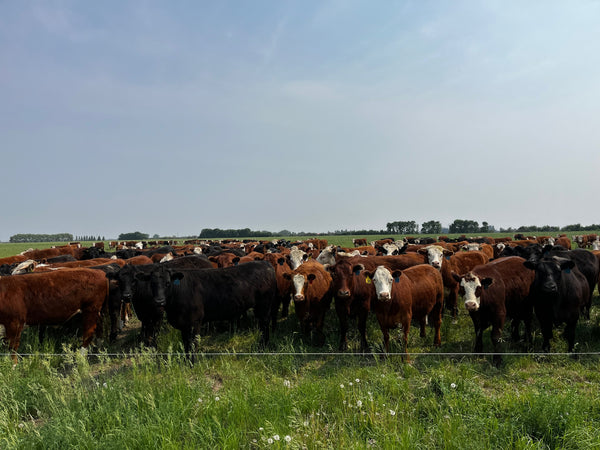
41 333
319 337
569 334
89 322
386 338
496 338
343 320
452 303
187 336
13 330
405 330
285 306
362 329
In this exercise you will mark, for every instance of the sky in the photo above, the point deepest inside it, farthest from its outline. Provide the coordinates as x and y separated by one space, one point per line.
170 117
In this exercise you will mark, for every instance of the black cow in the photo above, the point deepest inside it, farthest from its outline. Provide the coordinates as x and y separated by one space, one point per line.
558 292
585 261
140 294
193 297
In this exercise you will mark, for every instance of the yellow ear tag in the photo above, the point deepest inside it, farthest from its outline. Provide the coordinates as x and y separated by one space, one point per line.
368 280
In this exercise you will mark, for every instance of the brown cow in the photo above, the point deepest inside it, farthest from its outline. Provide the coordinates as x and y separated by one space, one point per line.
311 292
284 286
48 252
415 293
358 242
352 296
494 291
51 299
459 263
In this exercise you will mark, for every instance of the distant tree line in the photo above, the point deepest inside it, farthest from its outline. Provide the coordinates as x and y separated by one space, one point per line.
30 237
89 238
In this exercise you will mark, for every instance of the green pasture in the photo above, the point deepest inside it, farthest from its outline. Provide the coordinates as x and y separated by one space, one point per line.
294 395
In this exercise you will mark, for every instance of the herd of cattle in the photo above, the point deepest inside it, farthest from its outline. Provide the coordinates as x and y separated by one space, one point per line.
401 282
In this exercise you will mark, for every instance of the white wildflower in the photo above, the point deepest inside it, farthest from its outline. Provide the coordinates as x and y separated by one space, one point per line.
342 385
276 437
217 399
270 441
288 438
358 403
392 412
453 385
287 383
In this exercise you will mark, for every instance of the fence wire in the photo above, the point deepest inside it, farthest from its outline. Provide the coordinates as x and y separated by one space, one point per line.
312 354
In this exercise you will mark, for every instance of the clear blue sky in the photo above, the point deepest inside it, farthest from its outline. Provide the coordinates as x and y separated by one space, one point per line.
169 117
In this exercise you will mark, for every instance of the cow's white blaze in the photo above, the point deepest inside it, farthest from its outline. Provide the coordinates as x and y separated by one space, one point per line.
326 257
596 245
435 256
139 246
390 248
24 267
382 280
298 282
296 257
470 284
471 247
167 257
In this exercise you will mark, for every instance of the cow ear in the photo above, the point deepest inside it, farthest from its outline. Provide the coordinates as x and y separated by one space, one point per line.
140 276
530 264
456 276
368 275
422 251
357 269
487 282
396 274
305 257
235 260
311 277
287 276
177 276
112 275
567 265
447 253
280 261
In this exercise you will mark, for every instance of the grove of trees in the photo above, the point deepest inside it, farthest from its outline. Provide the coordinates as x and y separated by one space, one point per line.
30 237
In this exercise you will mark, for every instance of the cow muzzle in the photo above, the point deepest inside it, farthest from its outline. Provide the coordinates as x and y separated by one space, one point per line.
471 305
299 298
384 296
161 302
343 293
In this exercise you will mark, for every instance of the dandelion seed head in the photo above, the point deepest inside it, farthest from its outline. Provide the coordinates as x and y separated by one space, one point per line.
288 438
276 437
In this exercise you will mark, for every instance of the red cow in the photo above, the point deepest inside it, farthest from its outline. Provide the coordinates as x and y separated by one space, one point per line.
51 299
284 285
352 296
358 242
494 291
447 262
311 291
415 293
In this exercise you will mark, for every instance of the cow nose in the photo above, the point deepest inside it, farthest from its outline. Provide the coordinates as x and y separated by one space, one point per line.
384 296
436 265
343 293
161 301
471 306
126 297
299 298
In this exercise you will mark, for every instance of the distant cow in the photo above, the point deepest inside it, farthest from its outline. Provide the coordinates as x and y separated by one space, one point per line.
193 297
358 242
494 291
311 292
51 299
558 292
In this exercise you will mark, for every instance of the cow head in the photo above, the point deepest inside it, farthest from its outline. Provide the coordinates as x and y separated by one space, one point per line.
549 272
435 255
162 279
296 257
471 287
383 280
126 280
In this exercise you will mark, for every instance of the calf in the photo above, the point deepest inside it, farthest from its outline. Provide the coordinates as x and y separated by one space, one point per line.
51 299
493 292
193 297
558 292
311 292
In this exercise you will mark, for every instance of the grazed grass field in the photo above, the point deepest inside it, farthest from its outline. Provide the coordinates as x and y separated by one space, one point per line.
293 395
